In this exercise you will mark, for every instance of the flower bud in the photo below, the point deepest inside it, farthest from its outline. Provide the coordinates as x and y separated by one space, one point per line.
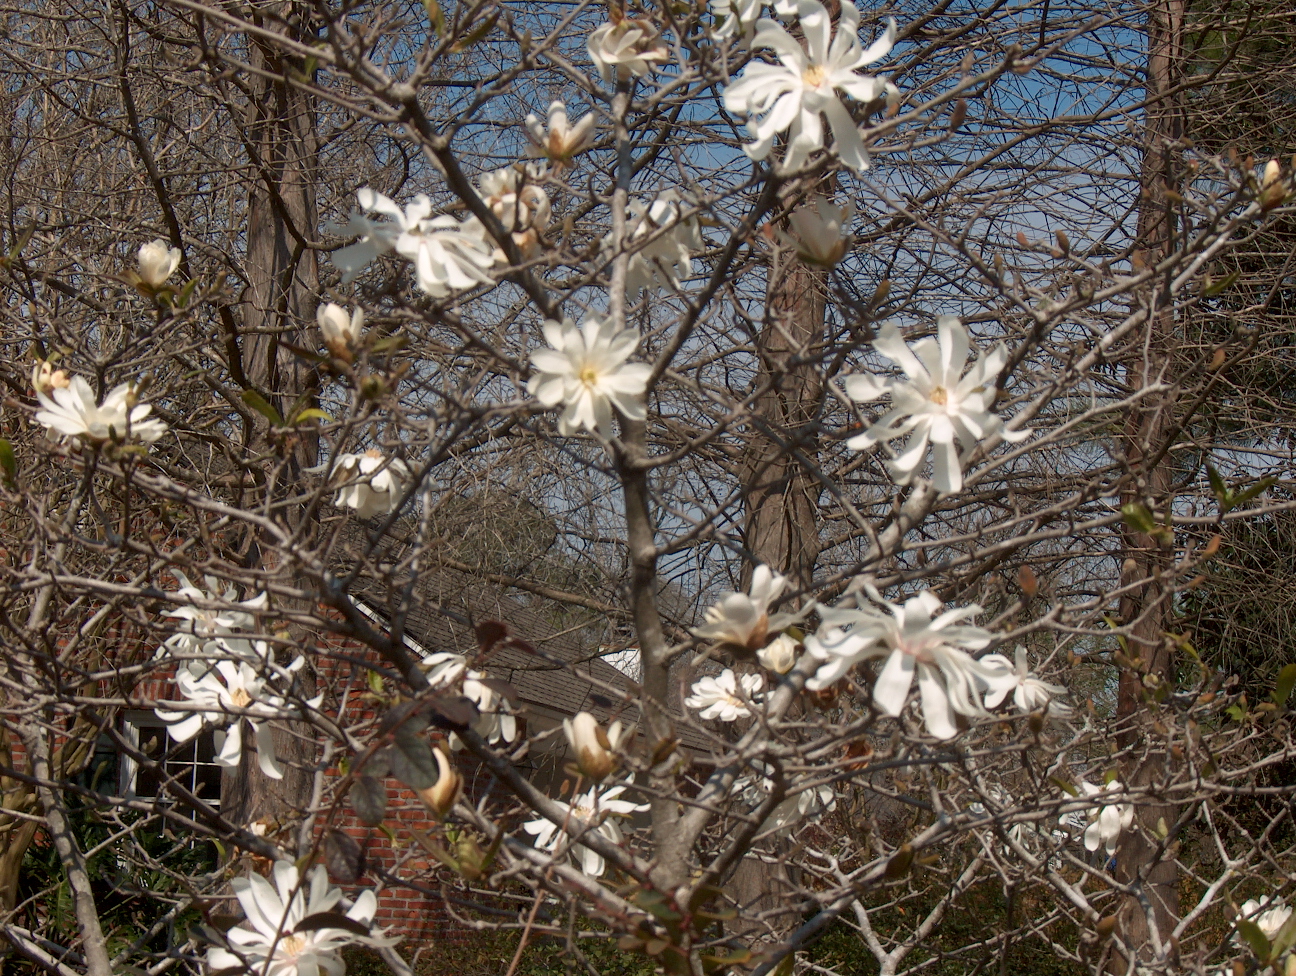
440 797
779 655
1273 188
157 262
341 332
46 379
592 746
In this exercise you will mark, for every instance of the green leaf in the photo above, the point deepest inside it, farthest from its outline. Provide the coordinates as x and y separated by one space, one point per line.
391 343
475 35
312 413
412 760
1137 517
1255 938
436 16
1283 688
1236 712
369 800
330 920
186 292
262 406
1218 487
1249 493
1068 788
8 462
1213 287
900 863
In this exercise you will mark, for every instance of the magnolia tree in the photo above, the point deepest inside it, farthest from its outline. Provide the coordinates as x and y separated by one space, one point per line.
880 379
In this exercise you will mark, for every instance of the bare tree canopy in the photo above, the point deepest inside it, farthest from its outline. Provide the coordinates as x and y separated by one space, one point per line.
794 488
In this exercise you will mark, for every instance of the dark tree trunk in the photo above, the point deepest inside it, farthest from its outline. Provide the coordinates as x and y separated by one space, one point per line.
282 145
1145 609
780 494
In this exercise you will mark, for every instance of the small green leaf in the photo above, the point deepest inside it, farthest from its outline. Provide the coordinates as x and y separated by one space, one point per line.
1218 487
1137 517
1249 493
375 681
900 863
1283 687
369 800
391 343
312 413
412 760
186 293
475 35
8 462
262 406
436 16
1064 786
1215 287
1236 712
1255 938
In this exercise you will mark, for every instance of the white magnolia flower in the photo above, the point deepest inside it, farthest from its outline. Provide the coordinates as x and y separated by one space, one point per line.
229 685
1028 691
561 142
587 371
625 49
522 206
811 802
594 809
445 668
1270 920
798 92
593 747
742 620
780 654
268 943
914 638
495 720
662 244
202 624
46 379
371 483
157 262
820 232
1107 820
341 331
935 403
448 256
735 17
73 412
718 698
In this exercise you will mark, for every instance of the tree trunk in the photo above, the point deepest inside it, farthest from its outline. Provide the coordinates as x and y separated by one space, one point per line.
1145 609
282 290
780 496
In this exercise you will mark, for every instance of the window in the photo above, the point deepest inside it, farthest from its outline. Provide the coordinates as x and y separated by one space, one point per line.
191 765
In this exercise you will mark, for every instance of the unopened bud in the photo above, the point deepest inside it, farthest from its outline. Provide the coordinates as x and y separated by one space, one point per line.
593 746
440 797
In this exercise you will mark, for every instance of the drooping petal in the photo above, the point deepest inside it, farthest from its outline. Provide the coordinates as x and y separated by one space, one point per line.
893 684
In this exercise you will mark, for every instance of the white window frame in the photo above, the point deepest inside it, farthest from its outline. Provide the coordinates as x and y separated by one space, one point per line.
132 724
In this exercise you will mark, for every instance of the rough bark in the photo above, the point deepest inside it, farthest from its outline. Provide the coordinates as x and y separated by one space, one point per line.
780 496
1145 609
282 144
